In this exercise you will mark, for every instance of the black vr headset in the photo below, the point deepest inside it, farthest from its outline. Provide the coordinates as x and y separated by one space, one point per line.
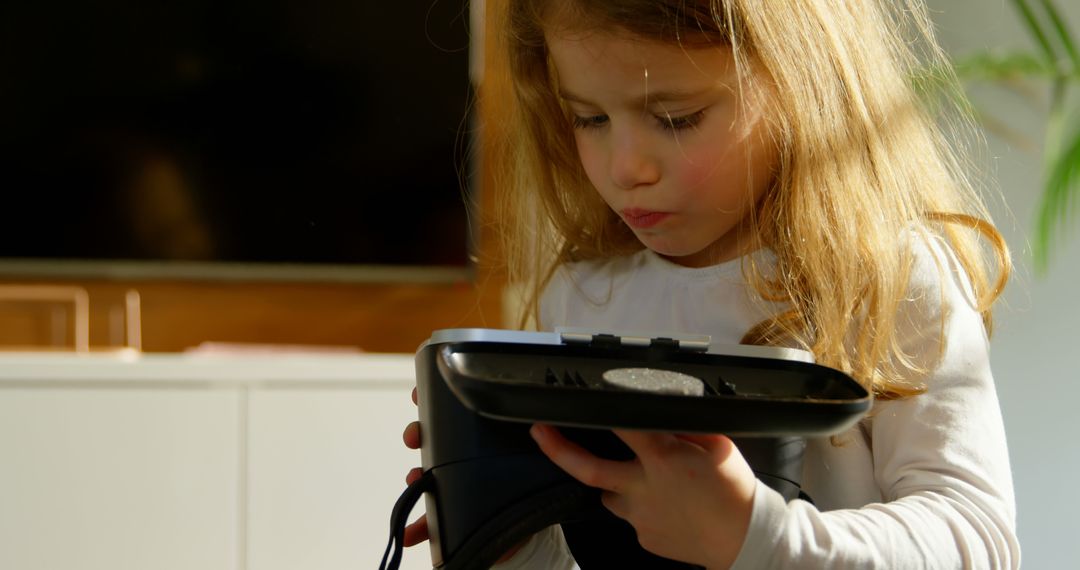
489 487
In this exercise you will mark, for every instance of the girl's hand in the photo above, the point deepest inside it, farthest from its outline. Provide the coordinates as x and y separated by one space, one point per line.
689 497
416 532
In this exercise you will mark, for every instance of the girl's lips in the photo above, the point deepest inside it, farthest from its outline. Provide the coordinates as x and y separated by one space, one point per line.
643 219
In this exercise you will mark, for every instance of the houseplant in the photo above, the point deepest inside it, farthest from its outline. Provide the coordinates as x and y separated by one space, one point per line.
1055 65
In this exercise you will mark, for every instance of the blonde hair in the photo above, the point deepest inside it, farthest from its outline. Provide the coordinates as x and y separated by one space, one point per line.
861 164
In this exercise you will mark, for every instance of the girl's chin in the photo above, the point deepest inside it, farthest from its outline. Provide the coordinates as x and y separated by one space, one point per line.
690 260
688 256
679 256
691 252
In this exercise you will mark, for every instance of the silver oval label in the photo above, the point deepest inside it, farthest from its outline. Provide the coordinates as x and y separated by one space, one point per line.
655 380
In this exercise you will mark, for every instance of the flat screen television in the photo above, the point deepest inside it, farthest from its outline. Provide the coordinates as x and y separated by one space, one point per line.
290 139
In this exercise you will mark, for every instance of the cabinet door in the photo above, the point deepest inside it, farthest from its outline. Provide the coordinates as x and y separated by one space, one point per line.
117 478
325 467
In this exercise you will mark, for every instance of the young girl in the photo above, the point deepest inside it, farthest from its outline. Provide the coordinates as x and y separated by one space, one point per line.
763 172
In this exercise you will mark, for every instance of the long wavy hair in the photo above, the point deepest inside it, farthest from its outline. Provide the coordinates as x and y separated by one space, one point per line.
863 162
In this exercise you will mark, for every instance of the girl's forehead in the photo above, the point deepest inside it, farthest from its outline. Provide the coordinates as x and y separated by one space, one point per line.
691 22
614 52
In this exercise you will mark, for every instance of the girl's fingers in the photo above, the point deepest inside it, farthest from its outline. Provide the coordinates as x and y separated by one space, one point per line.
646 444
702 439
709 442
615 503
653 445
719 447
416 532
615 476
411 435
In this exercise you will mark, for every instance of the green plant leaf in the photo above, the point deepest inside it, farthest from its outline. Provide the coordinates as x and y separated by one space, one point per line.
997 66
1036 31
1058 200
1063 33
937 85
1056 62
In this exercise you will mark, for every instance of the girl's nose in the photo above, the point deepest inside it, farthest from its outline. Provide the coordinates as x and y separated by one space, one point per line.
632 164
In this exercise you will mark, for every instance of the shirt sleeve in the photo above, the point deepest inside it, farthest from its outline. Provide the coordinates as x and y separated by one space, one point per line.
940 459
545 550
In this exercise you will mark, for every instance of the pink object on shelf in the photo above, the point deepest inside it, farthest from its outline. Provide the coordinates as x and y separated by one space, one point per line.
212 347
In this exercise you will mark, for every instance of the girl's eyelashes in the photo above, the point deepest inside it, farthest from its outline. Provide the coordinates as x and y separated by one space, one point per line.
666 122
590 122
682 122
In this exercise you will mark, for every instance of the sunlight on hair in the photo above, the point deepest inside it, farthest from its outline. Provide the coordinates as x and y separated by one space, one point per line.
864 165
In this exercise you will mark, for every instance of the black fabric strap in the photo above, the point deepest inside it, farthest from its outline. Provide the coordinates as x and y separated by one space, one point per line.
519 521
593 534
399 519
510 527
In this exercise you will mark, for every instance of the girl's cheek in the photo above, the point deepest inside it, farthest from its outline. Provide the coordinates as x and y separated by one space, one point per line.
723 167
701 169
592 161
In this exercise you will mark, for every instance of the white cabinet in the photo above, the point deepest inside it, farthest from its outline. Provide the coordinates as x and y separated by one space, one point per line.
306 442
185 462
118 478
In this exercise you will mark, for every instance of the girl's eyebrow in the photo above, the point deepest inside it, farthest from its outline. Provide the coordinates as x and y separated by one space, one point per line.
651 97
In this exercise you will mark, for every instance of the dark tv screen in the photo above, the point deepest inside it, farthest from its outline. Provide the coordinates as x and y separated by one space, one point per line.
334 133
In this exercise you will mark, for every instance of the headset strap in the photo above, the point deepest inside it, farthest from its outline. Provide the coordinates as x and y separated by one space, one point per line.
399 519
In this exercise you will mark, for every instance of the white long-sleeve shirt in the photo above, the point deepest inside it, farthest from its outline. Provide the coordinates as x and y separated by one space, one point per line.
922 482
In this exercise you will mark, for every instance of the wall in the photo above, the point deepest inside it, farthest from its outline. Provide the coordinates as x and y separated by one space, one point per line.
1038 324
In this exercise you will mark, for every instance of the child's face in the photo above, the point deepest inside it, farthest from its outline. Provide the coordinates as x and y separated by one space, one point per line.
663 137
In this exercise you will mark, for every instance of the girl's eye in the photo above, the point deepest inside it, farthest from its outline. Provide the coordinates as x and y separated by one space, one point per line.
679 123
593 122
667 122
